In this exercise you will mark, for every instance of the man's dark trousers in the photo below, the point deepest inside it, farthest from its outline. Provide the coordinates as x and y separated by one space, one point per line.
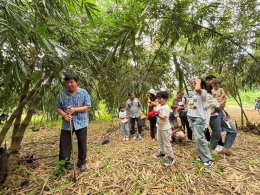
139 125
65 145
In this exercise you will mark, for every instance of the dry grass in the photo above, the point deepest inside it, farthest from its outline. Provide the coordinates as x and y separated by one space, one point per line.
129 168
253 115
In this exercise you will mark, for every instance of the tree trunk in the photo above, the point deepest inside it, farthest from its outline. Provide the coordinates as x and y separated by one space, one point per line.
243 113
240 103
17 139
20 112
14 115
242 118
25 89
178 72
237 97
186 87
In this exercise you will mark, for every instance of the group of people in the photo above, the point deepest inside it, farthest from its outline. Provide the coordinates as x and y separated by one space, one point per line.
158 115
206 110
194 115
131 113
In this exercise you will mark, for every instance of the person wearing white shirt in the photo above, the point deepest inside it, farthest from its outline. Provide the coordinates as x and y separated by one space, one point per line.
124 123
197 120
164 130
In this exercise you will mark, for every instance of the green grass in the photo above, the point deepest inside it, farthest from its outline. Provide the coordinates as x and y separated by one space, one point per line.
178 176
220 170
248 98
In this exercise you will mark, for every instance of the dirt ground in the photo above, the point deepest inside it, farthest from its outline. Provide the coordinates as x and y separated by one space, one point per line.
235 112
127 167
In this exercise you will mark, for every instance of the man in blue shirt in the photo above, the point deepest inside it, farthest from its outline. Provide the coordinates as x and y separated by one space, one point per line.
73 105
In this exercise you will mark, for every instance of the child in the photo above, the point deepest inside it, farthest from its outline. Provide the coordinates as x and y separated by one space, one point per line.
164 129
217 91
175 123
197 120
124 123
178 135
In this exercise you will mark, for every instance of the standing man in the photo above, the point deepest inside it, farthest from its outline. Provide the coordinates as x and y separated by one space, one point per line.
73 105
133 110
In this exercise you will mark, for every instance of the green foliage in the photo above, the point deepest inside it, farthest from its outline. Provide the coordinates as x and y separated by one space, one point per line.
248 98
102 113
125 45
120 46
61 167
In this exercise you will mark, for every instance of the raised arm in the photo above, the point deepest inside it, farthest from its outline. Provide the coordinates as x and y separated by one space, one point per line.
152 103
197 84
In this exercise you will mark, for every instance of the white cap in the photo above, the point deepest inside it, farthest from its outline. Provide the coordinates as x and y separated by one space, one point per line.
152 91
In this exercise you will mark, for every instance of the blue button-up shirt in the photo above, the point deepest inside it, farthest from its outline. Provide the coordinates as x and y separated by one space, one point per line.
66 100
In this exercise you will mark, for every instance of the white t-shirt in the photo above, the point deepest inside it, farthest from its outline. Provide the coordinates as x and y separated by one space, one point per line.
163 111
182 102
210 105
196 105
122 116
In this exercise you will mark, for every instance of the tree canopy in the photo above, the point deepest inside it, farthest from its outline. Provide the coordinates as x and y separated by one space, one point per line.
117 46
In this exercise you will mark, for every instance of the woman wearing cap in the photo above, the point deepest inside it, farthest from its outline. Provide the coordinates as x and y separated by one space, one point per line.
152 103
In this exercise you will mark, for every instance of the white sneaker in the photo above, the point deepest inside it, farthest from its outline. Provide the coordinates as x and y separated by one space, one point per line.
123 139
219 148
126 139
134 137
